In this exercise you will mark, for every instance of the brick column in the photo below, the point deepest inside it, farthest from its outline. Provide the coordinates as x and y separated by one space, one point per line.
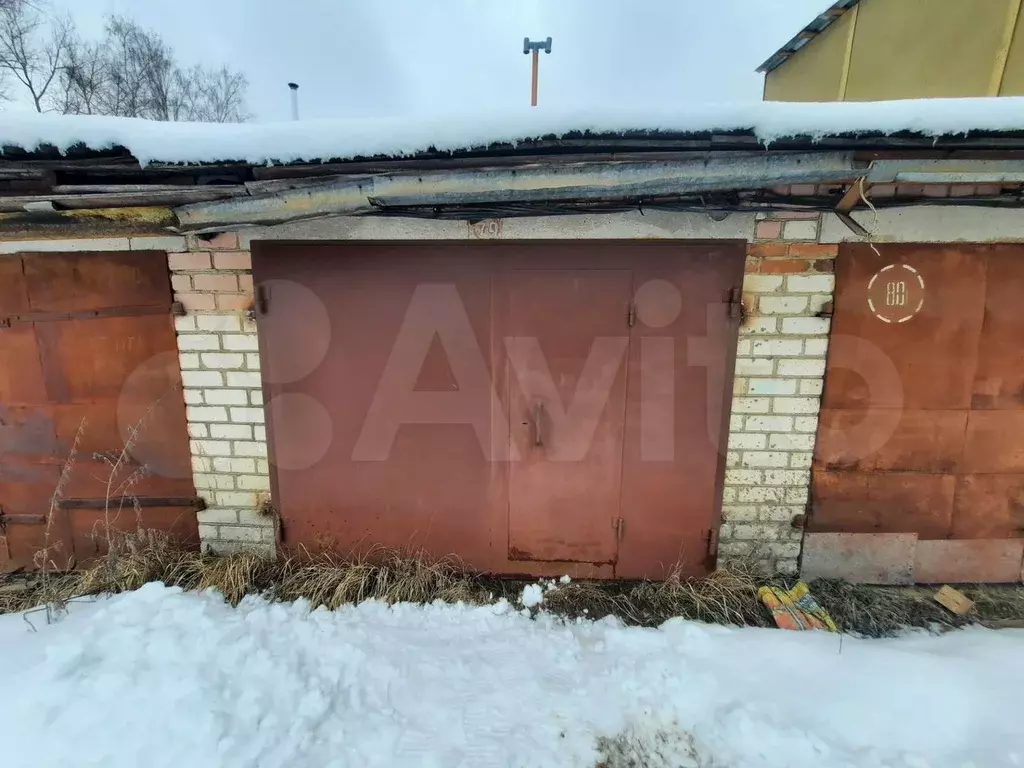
780 368
220 372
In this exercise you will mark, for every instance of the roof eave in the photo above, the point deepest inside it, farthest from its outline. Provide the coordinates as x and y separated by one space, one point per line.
819 24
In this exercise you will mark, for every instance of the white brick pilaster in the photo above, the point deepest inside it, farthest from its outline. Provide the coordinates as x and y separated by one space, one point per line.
780 367
218 351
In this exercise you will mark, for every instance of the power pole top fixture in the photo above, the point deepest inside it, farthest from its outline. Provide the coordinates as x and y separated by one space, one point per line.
535 47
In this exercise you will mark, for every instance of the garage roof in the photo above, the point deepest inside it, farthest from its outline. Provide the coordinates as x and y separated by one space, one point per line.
747 125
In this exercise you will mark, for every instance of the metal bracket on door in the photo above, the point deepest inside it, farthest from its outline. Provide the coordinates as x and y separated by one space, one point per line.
193 502
6 520
620 528
735 301
712 544
262 299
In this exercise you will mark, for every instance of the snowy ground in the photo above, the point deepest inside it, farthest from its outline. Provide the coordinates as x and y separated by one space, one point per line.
161 678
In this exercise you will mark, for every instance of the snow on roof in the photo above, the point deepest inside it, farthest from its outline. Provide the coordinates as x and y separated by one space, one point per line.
151 141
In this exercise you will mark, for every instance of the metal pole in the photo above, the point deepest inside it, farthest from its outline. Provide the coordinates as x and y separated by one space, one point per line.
536 67
535 48
295 100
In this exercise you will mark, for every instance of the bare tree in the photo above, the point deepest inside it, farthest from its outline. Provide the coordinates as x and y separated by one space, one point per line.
32 47
146 81
83 80
131 72
223 96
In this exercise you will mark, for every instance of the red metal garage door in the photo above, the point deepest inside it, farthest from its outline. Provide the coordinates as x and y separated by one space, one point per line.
87 348
530 407
922 425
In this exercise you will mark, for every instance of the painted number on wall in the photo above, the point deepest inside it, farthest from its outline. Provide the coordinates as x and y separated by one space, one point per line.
896 293
487 229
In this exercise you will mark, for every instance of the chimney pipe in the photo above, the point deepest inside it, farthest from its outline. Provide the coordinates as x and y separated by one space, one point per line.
295 100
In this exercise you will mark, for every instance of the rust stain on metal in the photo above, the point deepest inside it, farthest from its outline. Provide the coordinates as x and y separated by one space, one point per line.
951 467
85 326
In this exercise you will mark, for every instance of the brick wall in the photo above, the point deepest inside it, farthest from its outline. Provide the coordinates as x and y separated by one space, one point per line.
220 372
780 367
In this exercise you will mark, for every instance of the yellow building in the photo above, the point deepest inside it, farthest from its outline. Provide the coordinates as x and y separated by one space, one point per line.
873 50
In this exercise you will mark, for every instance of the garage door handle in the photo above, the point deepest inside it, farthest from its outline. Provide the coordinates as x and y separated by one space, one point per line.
538 416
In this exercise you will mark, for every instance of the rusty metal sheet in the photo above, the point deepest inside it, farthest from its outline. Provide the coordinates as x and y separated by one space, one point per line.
335 313
564 490
952 463
883 440
25 492
92 359
69 282
999 379
950 320
994 442
21 372
880 558
675 446
989 506
13 290
995 561
88 527
108 373
27 433
883 502
22 546
334 316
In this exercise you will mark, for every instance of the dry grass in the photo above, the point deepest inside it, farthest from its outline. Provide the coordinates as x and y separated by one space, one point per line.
662 747
885 611
382 574
323 579
727 596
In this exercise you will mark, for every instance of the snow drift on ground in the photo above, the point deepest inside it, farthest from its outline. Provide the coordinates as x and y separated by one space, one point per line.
345 138
160 678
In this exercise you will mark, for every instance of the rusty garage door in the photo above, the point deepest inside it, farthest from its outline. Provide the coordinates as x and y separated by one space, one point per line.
87 349
529 407
922 427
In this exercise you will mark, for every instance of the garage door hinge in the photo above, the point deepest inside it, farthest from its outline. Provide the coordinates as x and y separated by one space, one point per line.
631 314
712 543
620 528
262 299
735 301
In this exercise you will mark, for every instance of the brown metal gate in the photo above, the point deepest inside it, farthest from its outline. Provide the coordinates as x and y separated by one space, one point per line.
531 407
922 427
87 348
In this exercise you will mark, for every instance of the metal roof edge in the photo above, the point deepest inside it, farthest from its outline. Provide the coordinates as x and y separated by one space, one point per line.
819 24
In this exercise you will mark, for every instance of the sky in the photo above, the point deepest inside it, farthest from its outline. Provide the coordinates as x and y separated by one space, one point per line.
387 58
